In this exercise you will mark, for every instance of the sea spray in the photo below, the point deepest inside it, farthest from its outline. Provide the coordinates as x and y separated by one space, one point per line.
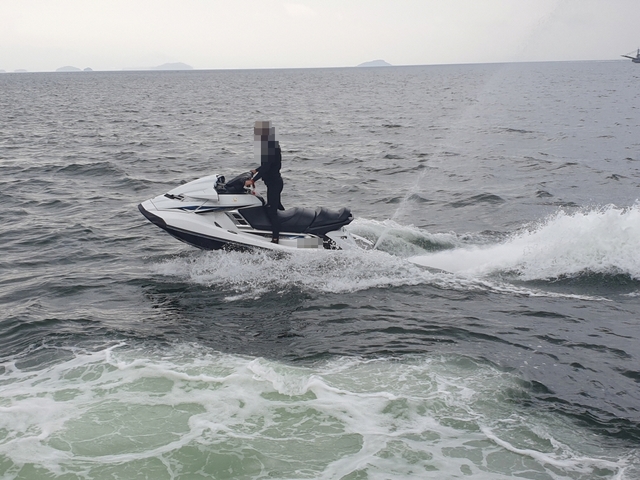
602 241
240 276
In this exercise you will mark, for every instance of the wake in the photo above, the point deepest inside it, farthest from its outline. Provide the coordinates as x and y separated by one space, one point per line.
603 241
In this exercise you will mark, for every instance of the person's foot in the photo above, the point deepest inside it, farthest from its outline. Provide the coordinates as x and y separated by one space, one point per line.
275 240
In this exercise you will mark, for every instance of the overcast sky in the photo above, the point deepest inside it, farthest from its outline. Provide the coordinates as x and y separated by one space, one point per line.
43 35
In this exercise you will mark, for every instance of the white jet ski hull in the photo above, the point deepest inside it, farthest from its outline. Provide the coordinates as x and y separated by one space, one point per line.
203 214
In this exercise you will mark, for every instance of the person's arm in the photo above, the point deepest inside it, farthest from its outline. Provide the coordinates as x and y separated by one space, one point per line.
252 181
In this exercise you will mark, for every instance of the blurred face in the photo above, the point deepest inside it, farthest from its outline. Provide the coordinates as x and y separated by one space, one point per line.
261 130
260 133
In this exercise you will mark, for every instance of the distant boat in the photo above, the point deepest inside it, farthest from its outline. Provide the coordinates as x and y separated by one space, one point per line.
635 59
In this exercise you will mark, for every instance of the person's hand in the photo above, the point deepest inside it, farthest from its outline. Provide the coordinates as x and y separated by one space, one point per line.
254 171
250 183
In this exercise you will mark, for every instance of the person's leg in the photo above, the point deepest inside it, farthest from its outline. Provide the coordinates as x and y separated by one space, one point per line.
273 203
272 213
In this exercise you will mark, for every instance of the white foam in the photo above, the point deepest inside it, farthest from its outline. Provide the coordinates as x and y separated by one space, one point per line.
561 458
402 240
252 273
126 407
249 275
603 241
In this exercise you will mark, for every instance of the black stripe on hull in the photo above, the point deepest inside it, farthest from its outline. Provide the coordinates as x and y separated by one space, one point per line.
203 242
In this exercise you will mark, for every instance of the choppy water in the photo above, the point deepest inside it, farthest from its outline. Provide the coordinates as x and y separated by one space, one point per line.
515 353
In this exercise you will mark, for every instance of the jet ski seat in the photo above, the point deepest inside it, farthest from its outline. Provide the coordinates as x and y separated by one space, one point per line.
316 221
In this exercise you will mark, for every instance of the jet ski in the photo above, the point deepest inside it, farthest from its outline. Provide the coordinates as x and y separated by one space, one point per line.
212 214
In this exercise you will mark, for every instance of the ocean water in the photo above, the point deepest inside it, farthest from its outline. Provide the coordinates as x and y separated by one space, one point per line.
494 331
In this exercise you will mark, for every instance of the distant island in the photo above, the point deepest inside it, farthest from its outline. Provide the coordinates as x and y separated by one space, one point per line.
375 63
68 68
173 66
164 66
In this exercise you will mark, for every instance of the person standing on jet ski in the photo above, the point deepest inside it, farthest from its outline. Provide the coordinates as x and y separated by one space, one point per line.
268 149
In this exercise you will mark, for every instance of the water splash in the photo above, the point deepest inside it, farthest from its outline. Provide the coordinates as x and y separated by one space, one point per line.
250 275
253 273
601 241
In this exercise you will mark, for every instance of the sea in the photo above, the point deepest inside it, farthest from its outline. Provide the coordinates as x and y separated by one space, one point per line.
491 330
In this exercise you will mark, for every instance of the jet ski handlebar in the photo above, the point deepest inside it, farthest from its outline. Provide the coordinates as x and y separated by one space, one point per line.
235 185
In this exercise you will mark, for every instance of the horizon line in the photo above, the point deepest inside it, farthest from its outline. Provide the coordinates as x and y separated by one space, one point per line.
156 69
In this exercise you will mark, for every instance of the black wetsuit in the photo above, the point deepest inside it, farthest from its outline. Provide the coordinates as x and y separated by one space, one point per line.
269 171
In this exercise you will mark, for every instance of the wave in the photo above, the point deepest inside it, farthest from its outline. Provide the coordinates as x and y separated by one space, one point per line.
602 241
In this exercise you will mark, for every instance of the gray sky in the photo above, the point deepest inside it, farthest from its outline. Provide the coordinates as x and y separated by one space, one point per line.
42 35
